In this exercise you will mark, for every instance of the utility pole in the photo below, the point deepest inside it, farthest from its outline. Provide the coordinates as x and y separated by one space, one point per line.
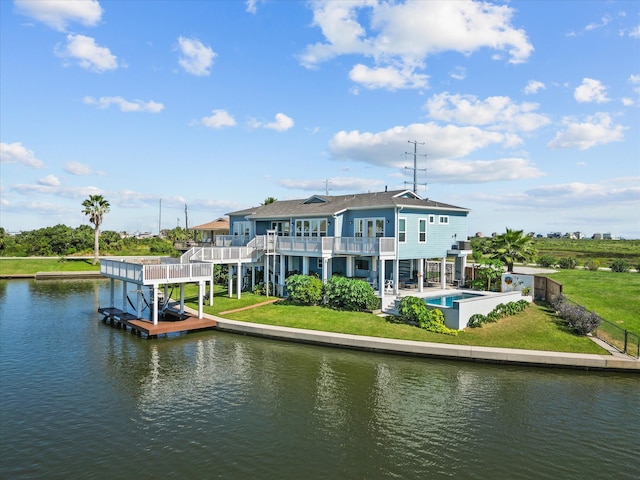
160 219
186 222
415 164
326 187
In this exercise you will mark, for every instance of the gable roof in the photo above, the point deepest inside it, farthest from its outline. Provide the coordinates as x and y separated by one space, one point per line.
322 205
221 223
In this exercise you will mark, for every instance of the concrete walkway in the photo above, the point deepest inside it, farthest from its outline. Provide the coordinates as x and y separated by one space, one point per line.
614 362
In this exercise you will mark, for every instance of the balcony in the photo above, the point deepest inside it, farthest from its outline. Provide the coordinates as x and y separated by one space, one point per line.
156 273
333 246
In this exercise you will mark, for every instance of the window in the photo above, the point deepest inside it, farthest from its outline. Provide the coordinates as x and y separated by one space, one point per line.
314 227
368 227
362 264
241 228
402 230
443 219
432 219
422 230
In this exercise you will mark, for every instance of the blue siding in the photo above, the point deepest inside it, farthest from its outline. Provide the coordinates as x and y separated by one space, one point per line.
440 238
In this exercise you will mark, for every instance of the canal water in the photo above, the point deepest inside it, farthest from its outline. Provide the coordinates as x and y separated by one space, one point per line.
79 399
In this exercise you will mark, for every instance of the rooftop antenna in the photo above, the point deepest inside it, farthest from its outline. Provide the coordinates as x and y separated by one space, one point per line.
326 187
415 164
186 222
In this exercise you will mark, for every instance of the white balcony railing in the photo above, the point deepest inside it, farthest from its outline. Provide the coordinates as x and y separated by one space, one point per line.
155 273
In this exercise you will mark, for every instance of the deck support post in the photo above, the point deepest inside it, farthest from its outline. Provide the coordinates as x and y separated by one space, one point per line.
181 298
420 278
124 295
396 276
201 287
155 304
112 297
443 272
230 282
239 279
305 265
211 282
381 277
282 275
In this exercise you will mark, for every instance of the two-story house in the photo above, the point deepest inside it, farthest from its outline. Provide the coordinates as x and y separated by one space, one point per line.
386 238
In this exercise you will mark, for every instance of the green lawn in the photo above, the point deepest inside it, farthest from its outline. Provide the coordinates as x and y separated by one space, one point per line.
535 329
614 296
13 266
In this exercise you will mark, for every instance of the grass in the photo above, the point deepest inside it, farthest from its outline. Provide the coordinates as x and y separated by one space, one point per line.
614 296
583 250
536 329
29 266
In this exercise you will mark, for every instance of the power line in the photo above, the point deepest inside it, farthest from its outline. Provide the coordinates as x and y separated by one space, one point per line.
415 164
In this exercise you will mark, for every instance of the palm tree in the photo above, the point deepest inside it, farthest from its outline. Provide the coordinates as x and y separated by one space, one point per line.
511 247
95 207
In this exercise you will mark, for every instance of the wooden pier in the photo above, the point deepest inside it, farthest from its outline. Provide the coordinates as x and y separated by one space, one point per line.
183 323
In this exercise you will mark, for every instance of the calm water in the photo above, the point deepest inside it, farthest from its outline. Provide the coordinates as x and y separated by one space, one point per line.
447 300
79 399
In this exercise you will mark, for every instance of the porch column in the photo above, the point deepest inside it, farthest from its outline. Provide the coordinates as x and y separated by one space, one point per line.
112 297
253 277
443 272
420 278
381 278
201 286
350 266
463 267
282 275
139 301
211 289
239 279
181 298
305 265
325 269
396 276
230 281
155 304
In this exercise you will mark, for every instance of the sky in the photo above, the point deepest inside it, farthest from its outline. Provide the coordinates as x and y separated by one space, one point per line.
525 112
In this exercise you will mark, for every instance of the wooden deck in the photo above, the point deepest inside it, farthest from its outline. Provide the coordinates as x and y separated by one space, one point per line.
141 327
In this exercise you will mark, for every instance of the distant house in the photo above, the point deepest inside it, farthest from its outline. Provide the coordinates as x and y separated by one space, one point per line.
385 238
219 226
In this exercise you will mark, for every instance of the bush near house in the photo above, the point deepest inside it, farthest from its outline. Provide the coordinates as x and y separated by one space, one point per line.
568 263
304 289
414 311
620 265
547 261
341 293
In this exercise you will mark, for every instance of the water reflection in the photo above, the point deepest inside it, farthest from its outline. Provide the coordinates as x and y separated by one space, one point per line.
255 408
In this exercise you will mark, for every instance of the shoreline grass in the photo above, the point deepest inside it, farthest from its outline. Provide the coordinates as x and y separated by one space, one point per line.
31 266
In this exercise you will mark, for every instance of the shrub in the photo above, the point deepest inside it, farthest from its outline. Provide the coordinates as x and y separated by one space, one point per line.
502 310
304 289
343 293
547 261
577 318
567 263
620 265
261 289
592 265
414 311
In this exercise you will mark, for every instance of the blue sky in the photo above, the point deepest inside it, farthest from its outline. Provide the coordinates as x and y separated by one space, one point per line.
527 113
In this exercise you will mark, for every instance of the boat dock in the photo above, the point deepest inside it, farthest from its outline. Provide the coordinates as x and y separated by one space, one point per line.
170 323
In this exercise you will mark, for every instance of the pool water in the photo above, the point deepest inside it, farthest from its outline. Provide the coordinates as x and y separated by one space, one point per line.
447 300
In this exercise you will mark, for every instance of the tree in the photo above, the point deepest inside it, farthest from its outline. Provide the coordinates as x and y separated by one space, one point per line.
95 207
511 247
269 200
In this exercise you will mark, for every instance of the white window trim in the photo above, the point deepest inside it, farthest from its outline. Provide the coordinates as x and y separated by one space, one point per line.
360 224
443 220
420 220
402 231
432 219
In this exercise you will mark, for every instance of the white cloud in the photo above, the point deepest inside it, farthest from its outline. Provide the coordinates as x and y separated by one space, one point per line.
17 153
400 36
219 119
195 57
59 13
533 87
49 180
252 5
498 112
386 148
583 194
458 73
335 184
125 105
590 91
595 130
390 78
77 168
604 21
281 123
57 190
88 54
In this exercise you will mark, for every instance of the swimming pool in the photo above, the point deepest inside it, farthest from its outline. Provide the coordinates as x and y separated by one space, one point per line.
447 300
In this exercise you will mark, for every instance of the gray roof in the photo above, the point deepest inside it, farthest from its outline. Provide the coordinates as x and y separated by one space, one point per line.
323 205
